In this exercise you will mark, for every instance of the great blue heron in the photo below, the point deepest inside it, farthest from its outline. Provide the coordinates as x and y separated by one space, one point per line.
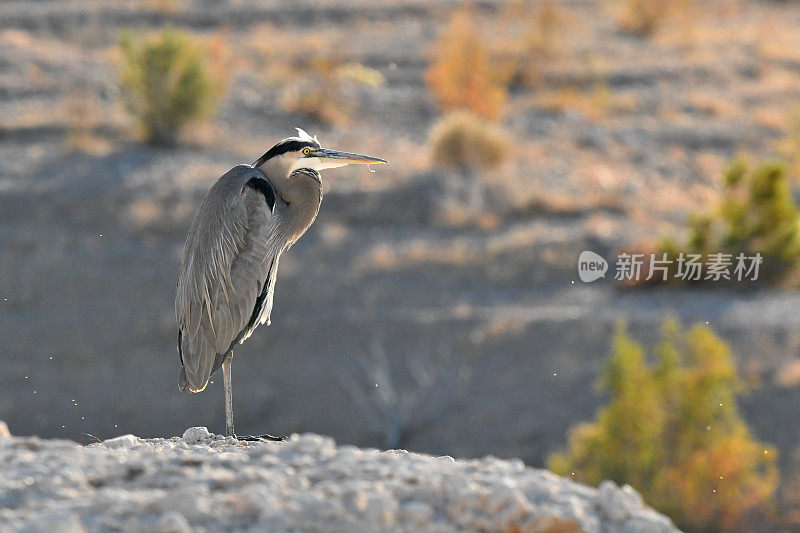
251 215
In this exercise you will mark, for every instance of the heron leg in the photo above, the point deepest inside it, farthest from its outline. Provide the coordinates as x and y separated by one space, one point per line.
226 379
229 431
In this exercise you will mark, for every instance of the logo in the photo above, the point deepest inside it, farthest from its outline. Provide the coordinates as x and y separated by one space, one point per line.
591 266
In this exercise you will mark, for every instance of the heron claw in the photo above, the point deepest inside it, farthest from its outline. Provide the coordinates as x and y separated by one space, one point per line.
260 438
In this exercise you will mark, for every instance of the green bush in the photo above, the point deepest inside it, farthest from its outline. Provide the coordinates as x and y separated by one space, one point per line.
165 83
672 430
757 214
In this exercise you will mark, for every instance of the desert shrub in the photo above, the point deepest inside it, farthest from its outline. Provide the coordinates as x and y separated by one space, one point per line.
463 142
790 144
462 75
165 83
757 214
166 7
543 37
595 104
526 36
642 17
466 144
309 73
324 89
672 430
549 524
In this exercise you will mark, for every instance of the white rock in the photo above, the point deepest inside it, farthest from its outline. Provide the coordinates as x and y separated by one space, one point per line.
648 524
188 500
173 522
305 484
123 441
381 511
4 432
55 522
196 434
618 503
418 513
254 500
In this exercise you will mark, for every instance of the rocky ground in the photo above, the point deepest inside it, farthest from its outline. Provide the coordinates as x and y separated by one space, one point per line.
205 482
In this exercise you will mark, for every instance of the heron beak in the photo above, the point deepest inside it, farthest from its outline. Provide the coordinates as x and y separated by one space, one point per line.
346 158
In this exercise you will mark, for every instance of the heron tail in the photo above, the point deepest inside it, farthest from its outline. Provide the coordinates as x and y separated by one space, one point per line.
194 385
195 364
183 383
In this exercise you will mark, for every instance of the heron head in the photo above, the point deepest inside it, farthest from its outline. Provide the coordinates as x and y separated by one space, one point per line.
304 151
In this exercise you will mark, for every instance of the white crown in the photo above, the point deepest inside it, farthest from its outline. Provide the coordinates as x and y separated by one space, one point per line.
305 136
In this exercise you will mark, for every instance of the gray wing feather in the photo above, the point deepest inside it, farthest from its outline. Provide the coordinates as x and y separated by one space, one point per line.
229 255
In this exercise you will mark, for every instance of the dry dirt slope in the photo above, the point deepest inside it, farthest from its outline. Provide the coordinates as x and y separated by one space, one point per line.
204 482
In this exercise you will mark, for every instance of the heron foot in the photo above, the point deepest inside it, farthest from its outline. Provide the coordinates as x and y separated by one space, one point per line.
260 438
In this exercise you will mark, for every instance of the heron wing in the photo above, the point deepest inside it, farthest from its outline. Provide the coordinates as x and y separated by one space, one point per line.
230 254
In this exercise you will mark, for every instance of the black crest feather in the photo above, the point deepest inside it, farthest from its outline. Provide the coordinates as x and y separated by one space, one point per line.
292 144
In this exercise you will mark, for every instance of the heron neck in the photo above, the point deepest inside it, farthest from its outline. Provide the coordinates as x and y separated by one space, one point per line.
302 195
300 191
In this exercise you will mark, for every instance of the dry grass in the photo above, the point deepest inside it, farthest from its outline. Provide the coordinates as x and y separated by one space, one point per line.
165 7
82 115
643 17
545 33
525 37
282 55
310 70
595 104
462 75
545 525
317 99
468 145
454 252
322 91
790 144
561 204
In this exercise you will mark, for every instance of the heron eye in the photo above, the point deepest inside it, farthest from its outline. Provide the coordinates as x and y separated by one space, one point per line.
306 151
